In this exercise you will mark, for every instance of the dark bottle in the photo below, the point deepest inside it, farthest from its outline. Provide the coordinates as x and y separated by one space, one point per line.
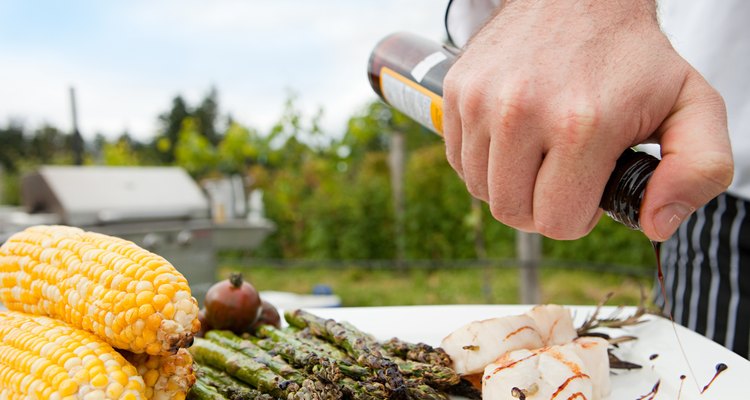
407 72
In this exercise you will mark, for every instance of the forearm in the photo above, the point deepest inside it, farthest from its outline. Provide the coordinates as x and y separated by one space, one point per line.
571 16
464 18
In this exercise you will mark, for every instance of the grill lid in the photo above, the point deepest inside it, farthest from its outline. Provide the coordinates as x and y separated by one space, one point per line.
95 195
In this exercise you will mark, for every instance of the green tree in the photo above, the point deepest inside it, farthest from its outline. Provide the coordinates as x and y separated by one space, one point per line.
13 145
120 152
207 115
171 123
49 145
193 151
238 148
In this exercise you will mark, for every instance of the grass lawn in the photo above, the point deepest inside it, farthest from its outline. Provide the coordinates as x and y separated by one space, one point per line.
358 286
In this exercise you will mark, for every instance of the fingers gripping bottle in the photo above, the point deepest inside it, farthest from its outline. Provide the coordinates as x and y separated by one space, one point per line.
407 72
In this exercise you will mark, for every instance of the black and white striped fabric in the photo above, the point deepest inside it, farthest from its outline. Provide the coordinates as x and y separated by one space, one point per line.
707 273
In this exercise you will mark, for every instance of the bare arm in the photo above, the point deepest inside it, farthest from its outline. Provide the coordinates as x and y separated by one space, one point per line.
549 93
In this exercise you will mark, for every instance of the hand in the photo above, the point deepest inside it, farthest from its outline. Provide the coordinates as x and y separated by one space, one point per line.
550 92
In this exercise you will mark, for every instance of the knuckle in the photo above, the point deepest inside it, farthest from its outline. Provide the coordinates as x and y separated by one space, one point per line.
567 226
475 191
559 232
453 156
473 100
511 213
450 95
579 124
513 107
717 169
451 84
475 184
714 99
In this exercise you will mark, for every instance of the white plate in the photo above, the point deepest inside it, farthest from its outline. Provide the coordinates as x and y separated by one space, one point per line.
429 324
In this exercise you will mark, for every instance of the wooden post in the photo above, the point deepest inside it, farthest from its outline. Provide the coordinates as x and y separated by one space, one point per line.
2 185
397 161
480 249
77 139
529 248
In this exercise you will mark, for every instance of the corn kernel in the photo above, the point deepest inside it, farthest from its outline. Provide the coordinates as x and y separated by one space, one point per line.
74 359
95 282
68 388
114 390
120 377
99 380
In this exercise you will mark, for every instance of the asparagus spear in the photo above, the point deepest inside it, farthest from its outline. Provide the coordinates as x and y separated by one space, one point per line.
322 390
432 374
242 367
250 349
356 381
417 352
228 386
300 352
363 390
397 348
202 391
306 336
356 345
435 375
323 368
422 391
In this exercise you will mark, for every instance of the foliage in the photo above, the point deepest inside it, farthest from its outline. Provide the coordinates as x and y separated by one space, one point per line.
330 198
119 153
193 151
13 147
437 205
237 147
609 243
357 286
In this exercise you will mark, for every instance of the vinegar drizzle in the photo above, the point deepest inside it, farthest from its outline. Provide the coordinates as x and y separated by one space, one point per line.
660 276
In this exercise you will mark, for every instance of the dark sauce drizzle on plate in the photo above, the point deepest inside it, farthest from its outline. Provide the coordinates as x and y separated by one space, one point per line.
652 394
720 367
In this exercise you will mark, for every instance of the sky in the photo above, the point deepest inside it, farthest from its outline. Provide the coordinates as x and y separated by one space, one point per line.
127 60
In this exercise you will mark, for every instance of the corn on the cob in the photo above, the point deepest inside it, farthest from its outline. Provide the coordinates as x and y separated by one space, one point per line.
167 377
43 358
132 298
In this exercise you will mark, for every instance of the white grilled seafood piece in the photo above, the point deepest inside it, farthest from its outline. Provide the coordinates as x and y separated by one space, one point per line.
578 370
555 324
479 343
593 353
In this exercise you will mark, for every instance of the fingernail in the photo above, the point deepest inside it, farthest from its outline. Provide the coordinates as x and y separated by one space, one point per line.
669 218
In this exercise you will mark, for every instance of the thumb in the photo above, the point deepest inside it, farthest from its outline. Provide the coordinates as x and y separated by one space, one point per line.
696 163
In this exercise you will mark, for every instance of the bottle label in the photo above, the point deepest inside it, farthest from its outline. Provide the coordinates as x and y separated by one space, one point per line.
412 99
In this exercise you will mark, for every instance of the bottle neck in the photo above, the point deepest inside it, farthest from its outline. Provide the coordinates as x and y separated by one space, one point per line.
626 186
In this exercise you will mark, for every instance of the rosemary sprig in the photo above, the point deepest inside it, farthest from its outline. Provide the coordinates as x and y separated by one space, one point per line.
615 320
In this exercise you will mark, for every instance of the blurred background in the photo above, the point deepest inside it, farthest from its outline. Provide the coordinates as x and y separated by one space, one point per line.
243 135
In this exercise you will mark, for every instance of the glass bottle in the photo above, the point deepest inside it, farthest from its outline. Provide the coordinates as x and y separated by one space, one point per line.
407 72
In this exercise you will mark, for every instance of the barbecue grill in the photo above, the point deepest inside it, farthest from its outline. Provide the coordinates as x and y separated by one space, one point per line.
161 209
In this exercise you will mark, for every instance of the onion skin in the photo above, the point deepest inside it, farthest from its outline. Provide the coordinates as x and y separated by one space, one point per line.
232 304
205 327
269 315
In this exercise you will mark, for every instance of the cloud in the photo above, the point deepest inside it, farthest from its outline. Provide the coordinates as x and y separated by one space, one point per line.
128 60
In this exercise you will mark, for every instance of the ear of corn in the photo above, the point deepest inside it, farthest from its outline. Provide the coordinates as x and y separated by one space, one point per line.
43 358
166 377
132 298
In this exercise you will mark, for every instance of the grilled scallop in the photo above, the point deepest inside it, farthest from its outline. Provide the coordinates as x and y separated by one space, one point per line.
555 324
577 370
479 343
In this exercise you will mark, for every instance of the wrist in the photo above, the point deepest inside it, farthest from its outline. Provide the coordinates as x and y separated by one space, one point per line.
603 10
